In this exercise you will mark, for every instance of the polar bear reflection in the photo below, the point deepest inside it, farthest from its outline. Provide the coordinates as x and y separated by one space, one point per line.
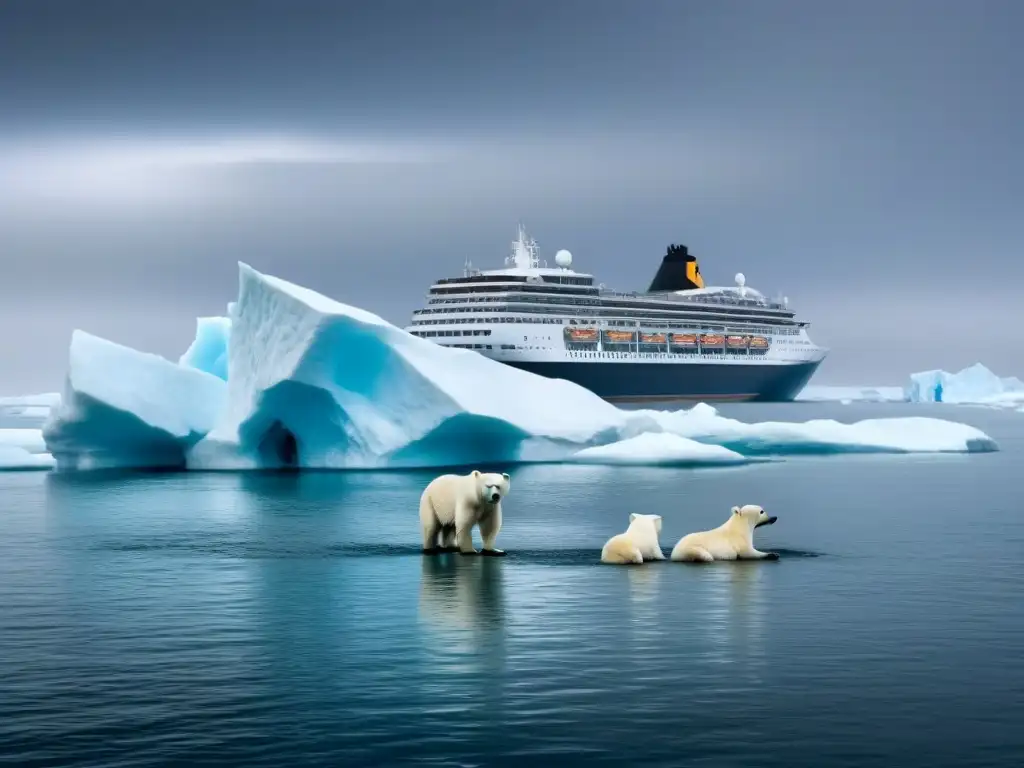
728 605
646 627
463 595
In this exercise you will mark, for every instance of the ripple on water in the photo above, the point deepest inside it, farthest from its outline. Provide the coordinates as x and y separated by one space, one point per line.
257 549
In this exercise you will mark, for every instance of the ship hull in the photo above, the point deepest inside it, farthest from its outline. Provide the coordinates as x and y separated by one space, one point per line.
641 382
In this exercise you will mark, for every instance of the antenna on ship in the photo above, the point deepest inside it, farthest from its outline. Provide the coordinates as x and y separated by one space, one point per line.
741 282
524 251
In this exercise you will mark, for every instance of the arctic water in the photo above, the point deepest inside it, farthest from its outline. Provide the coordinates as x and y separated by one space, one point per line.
266 619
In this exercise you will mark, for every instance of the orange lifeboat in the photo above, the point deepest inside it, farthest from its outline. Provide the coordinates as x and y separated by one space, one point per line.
583 335
652 338
712 340
737 342
619 337
684 339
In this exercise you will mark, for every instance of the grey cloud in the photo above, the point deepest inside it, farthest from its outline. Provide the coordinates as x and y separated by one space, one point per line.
862 158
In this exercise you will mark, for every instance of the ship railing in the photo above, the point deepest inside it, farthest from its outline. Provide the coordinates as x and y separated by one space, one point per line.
664 355
725 299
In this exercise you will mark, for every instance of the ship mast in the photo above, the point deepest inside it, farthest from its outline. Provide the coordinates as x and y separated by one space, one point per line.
524 251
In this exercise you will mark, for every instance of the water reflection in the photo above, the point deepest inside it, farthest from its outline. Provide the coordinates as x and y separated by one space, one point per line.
732 612
150 599
462 608
644 583
462 596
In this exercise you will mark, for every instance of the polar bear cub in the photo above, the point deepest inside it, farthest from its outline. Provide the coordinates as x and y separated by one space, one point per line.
732 540
638 543
452 504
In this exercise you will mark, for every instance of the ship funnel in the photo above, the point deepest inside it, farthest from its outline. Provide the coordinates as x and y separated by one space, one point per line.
678 271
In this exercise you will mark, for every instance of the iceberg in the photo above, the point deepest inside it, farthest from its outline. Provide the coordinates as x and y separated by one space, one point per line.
209 350
319 384
660 449
973 385
124 408
293 379
22 449
914 434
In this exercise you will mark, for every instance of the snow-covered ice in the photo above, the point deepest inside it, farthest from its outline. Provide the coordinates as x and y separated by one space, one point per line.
314 383
23 449
15 459
124 408
660 449
916 434
30 440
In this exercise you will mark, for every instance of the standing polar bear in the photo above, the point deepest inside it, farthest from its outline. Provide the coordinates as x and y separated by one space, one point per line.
732 540
452 504
638 543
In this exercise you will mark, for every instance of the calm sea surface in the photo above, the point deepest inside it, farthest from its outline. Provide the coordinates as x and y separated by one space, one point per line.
276 620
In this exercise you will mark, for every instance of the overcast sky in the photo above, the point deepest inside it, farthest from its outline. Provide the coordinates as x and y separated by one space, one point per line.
863 158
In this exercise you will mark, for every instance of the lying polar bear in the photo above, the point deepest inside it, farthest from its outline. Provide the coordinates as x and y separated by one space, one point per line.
638 543
732 540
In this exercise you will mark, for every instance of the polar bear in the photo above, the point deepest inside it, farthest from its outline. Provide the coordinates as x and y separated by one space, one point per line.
732 540
638 543
452 504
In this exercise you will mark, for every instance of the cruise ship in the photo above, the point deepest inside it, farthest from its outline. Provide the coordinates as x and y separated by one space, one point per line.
679 340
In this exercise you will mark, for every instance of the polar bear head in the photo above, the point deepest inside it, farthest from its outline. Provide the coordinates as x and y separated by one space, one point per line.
754 516
491 486
655 520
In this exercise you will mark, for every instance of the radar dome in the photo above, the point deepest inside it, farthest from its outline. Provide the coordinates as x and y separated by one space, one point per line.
563 259
741 280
